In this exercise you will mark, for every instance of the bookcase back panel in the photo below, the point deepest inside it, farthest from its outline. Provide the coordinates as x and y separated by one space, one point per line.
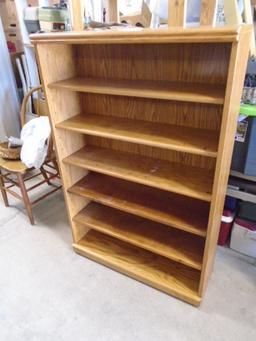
205 116
157 153
199 63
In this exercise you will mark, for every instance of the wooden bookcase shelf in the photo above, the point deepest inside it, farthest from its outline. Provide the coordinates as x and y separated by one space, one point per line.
144 125
171 176
175 279
154 237
145 202
183 139
206 93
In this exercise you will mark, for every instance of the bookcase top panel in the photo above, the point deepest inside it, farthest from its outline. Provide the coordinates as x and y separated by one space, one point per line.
140 36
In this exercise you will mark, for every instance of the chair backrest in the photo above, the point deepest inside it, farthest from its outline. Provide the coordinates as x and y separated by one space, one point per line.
41 109
178 10
38 106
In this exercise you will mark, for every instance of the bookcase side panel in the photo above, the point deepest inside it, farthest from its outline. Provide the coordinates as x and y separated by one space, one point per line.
56 62
237 68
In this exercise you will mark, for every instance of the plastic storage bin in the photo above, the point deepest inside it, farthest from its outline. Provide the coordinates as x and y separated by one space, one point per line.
31 19
225 227
53 19
243 237
244 155
247 211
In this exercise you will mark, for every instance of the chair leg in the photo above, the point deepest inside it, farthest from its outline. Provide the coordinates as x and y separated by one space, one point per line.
4 194
25 198
45 175
55 163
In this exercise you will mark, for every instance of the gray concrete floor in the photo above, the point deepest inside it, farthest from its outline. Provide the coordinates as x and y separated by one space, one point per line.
47 292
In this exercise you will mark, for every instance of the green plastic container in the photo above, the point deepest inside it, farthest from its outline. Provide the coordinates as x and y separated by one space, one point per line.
248 110
52 14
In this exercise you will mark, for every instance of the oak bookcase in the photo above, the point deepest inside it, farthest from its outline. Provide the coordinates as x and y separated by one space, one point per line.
144 125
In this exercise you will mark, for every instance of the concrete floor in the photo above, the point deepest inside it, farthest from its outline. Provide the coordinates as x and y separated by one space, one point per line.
47 292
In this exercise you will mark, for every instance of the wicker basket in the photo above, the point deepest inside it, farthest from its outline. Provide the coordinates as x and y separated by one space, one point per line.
9 153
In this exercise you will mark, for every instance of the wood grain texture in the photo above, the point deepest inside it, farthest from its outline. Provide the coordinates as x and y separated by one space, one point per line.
148 235
173 177
185 159
133 64
147 89
142 36
13 166
77 14
160 206
3 190
238 63
156 62
62 105
186 114
177 11
156 271
190 140
208 12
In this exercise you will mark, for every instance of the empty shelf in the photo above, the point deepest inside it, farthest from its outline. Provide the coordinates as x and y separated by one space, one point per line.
159 272
174 177
177 245
144 201
184 139
186 92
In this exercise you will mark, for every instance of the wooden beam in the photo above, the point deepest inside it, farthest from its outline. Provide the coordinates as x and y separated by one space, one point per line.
77 14
208 12
235 81
232 14
248 17
113 10
177 13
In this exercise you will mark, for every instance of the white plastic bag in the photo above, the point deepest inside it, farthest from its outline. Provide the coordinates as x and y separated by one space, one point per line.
34 135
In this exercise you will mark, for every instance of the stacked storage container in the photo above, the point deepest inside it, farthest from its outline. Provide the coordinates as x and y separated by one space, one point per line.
244 155
243 237
227 220
53 19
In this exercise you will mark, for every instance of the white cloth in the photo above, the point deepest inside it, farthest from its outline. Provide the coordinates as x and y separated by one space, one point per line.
34 135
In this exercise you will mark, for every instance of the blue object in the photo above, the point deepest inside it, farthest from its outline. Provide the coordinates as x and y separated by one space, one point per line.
230 203
250 162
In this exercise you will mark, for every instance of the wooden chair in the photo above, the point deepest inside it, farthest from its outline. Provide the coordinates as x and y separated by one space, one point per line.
16 173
